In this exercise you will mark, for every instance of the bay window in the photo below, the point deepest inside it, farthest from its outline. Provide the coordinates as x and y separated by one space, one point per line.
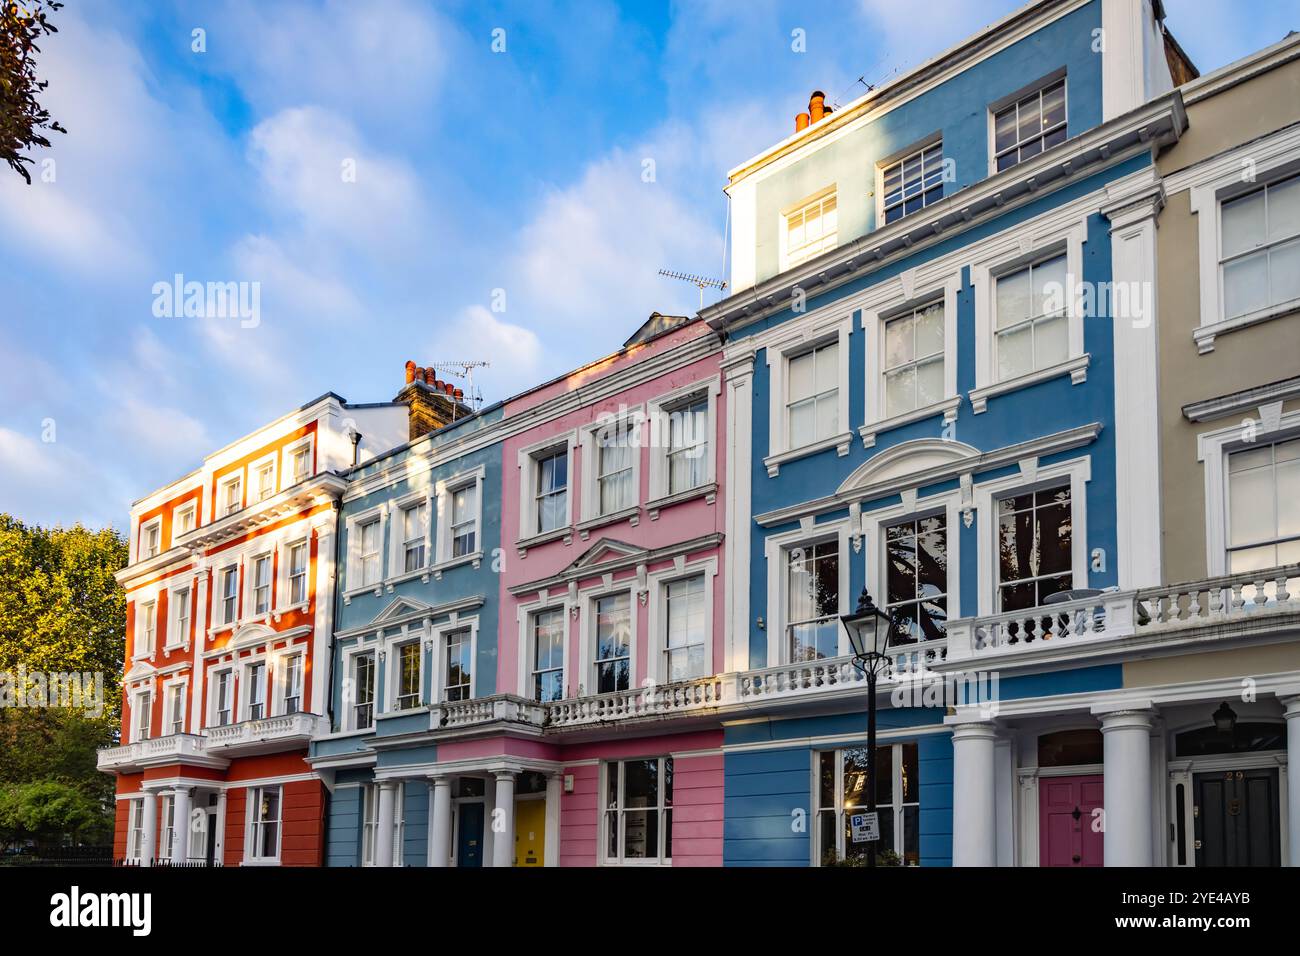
637 821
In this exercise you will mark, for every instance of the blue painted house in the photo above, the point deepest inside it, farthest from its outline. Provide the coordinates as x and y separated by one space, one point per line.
928 399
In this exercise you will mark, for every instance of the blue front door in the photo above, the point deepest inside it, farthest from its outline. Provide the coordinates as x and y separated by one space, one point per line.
469 839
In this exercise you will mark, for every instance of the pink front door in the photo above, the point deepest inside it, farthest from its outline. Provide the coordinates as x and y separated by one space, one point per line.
1069 833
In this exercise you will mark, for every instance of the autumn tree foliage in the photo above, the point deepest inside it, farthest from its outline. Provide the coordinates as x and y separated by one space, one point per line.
24 123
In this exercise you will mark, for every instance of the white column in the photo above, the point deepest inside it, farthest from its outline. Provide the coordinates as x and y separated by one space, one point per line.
149 841
385 824
180 824
974 787
738 369
554 793
1292 705
219 838
1126 736
1137 413
440 821
503 820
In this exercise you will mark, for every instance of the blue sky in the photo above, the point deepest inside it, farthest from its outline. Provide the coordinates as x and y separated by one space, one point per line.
475 171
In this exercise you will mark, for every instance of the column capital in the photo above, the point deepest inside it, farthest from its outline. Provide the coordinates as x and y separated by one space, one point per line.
439 779
389 785
503 775
974 730
1136 718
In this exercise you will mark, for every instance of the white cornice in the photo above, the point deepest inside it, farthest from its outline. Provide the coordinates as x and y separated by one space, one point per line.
1248 399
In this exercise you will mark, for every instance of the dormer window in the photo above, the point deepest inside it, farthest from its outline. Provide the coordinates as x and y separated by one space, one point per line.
1030 125
811 228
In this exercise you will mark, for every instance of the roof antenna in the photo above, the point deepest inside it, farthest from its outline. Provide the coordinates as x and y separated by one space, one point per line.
465 370
700 282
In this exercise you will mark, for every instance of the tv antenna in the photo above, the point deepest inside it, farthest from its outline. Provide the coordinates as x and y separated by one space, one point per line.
700 282
465 369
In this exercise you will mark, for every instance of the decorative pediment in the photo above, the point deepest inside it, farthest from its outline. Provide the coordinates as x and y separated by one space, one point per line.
910 458
252 634
399 608
606 549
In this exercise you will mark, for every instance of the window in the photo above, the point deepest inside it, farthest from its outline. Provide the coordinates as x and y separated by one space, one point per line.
1264 506
1034 547
229 594
168 827
370 822
152 539
459 667
414 520
841 789
811 229
1260 248
255 686
464 520
363 684
265 481
813 602
1032 325
184 520
143 716
548 654
298 573
232 496
812 403
301 463
180 631
264 804
135 833
148 627
914 354
408 675
686 646
1027 127
614 469
912 183
371 559
552 492
638 818
262 584
176 709
613 643
291 681
916 578
222 697
688 445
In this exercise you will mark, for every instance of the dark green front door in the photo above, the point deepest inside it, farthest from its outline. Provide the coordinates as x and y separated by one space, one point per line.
469 838
1237 818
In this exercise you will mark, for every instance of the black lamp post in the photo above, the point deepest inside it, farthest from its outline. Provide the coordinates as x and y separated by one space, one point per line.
869 631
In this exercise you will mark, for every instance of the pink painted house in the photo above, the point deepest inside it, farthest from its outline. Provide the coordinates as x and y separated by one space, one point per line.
612 595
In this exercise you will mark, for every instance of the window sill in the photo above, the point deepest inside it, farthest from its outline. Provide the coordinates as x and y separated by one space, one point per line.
288 609
631 515
1076 368
377 589
421 573
546 537
260 863
840 443
707 491
948 408
1206 334
475 558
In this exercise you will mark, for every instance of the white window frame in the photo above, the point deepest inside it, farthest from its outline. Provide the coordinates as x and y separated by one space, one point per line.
232 619
140 709
527 615
1030 477
179 516
170 688
587 644
247 665
355 523
897 808
252 586
900 158
831 327
178 628
146 626
1212 450
350 706
152 525
444 493
1011 100
397 562
631 419
616 766
135 827
287 456
913 290
166 826
370 822
657 618
252 825
527 460
234 479
1012 252
790 258
214 700
658 411
777 548
876 522
1273 160
287 601
393 657
280 687
440 635
255 471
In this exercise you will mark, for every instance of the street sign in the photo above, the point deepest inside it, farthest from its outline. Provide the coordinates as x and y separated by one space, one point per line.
865 827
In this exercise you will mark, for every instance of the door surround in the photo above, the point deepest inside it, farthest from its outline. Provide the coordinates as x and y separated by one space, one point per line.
1182 770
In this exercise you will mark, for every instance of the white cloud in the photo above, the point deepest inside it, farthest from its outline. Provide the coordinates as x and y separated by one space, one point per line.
515 353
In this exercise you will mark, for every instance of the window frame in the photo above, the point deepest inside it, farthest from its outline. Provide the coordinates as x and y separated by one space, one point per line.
253 585
146 627
629 421
281 686
837 327
153 525
528 460
225 507
900 159
141 712
257 469
227 572
179 599
663 808
215 676
351 712
253 825
658 619
527 668
469 628
1013 101
248 684
789 258
912 507
287 601
135 827
659 411
898 807
588 643
444 494
776 549
179 515
173 693
393 653
287 455
355 525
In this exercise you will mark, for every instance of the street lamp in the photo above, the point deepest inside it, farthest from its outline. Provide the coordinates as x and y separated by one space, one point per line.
869 631
1225 719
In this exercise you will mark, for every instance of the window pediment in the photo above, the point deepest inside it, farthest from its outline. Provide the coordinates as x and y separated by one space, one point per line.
909 458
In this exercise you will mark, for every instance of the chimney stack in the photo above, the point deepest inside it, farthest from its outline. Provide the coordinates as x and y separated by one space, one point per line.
433 404
817 111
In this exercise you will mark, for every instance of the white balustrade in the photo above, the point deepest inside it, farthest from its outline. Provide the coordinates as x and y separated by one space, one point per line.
651 701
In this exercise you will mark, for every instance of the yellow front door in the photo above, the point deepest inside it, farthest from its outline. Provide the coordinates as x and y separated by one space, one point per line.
530 832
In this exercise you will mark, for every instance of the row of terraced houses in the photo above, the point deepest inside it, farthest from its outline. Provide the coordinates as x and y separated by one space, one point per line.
1012 342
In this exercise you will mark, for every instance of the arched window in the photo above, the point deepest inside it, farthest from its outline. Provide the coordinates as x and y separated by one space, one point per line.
1069 748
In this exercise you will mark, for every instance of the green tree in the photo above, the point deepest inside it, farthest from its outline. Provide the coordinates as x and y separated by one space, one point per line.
23 121
61 611
50 813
